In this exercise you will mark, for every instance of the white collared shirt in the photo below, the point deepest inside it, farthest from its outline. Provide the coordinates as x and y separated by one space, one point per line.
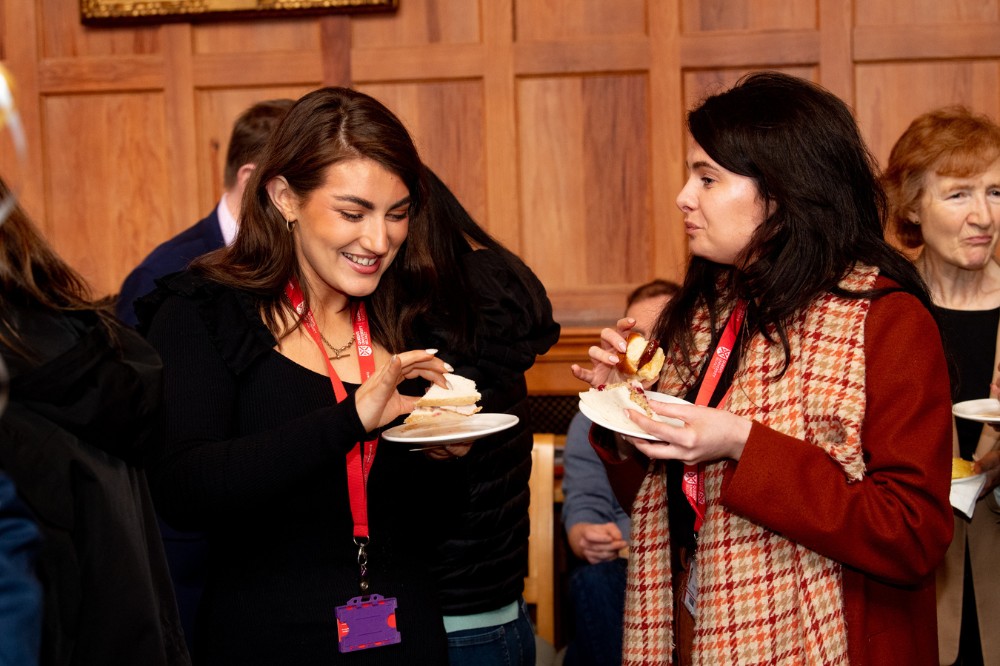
227 223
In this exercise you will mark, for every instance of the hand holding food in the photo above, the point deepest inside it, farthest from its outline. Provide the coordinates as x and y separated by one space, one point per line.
377 400
643 359
614 352
989 464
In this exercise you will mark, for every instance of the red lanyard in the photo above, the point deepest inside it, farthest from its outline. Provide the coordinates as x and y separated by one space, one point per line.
694 476
360 458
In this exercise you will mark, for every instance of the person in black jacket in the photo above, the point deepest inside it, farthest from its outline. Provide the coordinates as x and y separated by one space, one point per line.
281 355
490 319
84 391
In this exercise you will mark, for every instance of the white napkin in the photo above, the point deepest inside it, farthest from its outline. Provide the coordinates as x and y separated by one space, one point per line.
965 492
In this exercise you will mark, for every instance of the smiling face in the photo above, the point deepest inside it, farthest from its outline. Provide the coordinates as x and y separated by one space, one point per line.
347 231
960 218
721 209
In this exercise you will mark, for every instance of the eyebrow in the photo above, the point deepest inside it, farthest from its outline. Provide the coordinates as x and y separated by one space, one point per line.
701 164
368 205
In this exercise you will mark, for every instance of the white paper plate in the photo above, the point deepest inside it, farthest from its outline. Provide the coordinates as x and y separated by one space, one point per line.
611 414
986 410
451 431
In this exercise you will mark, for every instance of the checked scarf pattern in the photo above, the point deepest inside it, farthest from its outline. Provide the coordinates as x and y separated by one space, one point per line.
761 598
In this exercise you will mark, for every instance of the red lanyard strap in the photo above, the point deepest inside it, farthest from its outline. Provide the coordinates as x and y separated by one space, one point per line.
693 481
362 455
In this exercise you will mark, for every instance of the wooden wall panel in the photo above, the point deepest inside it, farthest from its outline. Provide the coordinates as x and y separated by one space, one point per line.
108 194
585 179
558 123
700 84
553 196
890 95
578 19
722 15
217 109
421 23
63 36
268 36
926 12
446 122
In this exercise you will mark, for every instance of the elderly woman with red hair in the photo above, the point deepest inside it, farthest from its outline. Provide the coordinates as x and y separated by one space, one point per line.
943 185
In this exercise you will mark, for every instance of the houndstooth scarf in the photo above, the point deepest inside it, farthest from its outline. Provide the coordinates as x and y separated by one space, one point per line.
761 598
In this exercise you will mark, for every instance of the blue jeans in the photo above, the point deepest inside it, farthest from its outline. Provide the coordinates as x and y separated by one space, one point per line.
511 644
598 593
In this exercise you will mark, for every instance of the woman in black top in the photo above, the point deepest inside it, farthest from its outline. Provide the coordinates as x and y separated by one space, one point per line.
257 340
943 182
490 318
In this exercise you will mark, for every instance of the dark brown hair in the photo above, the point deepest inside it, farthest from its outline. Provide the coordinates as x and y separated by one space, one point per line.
250 134
323 128
33 275
801 146
651 289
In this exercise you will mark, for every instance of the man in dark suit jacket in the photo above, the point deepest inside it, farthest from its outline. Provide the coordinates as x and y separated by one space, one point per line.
187 551
169 257
246 143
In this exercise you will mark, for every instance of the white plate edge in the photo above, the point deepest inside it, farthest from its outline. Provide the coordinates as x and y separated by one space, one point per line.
458 437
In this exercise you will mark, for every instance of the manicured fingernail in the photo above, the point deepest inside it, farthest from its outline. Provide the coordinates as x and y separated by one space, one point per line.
431 351
612 359
447 366
621 346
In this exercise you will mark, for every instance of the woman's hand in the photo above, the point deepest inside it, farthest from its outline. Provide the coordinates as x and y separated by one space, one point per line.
449 452
605 357
708 434
596 542
995 393
990 464
379 403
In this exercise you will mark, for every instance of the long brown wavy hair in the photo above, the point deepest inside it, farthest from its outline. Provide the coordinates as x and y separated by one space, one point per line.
324 127
32 275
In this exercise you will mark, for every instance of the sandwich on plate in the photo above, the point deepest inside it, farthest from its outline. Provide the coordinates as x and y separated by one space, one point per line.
454 403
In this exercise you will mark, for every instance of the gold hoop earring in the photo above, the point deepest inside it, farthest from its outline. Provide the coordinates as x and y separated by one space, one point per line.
290 224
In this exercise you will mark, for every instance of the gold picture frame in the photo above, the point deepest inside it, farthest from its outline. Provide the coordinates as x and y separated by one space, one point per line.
139 11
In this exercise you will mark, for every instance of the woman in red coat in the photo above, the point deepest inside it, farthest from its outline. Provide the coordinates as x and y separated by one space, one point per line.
798 511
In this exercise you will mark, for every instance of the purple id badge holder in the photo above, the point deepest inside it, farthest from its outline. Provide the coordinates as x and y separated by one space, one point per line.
369 620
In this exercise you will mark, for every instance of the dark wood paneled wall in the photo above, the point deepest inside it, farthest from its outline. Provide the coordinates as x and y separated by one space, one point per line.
559 123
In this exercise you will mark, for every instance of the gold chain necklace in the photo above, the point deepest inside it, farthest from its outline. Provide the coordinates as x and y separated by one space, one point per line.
338 352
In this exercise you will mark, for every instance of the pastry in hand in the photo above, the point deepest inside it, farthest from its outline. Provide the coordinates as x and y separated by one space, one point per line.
961 468
643 359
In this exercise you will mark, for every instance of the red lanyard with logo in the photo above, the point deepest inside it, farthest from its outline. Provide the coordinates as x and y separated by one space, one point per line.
369 620
693 482
361 457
